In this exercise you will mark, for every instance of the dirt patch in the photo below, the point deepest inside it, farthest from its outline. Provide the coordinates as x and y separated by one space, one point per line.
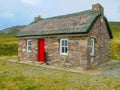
110 64
111 68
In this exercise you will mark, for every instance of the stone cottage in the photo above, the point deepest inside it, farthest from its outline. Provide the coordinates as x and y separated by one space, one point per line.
75 40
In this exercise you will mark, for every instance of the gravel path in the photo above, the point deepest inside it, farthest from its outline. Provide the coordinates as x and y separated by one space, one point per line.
111 68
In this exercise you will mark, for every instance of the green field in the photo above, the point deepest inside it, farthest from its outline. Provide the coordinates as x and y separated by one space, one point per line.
15 76
8 45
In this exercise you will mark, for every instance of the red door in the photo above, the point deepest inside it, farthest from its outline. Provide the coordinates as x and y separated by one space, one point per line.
41 50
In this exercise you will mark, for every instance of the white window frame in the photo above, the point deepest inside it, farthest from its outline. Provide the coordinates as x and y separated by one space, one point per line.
61 46
29 45
92 46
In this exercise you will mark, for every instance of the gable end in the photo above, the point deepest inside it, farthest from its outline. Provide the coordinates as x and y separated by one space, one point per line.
107 25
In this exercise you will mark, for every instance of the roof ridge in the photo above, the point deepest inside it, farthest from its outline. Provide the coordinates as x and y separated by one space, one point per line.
69 15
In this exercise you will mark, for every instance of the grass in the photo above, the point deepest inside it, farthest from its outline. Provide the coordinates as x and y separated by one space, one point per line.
8 45
3 58
15 76
115 42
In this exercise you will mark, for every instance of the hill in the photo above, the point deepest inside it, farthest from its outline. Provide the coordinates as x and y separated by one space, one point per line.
12 30
115 26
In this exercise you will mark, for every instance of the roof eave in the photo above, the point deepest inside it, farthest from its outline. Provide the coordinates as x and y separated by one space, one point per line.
93 22
108 27
80 33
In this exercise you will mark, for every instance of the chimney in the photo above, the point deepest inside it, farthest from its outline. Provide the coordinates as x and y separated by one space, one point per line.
36 19
98 7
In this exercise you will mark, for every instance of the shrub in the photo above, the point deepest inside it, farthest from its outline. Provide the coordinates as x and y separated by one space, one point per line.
8 49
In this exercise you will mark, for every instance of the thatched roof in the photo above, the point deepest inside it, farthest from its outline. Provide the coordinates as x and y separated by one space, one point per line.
79 23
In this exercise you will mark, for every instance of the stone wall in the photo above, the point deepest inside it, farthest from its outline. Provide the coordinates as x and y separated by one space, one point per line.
22 50
78 50
102 43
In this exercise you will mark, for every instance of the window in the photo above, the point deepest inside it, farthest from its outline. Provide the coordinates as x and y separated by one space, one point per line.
91 46
64 46
29 45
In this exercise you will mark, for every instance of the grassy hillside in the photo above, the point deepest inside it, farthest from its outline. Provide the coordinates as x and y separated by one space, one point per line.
12 30
115 26
115 42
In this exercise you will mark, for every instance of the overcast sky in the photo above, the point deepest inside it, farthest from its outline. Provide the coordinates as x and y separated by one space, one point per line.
22 12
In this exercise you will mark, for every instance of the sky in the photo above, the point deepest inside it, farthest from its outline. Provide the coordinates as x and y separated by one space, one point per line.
22 12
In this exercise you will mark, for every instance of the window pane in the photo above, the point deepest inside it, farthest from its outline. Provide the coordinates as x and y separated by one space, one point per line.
65 49
65 42
92 42
90 50
29 42
62 49
91 47
62 42
29 45
29 48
